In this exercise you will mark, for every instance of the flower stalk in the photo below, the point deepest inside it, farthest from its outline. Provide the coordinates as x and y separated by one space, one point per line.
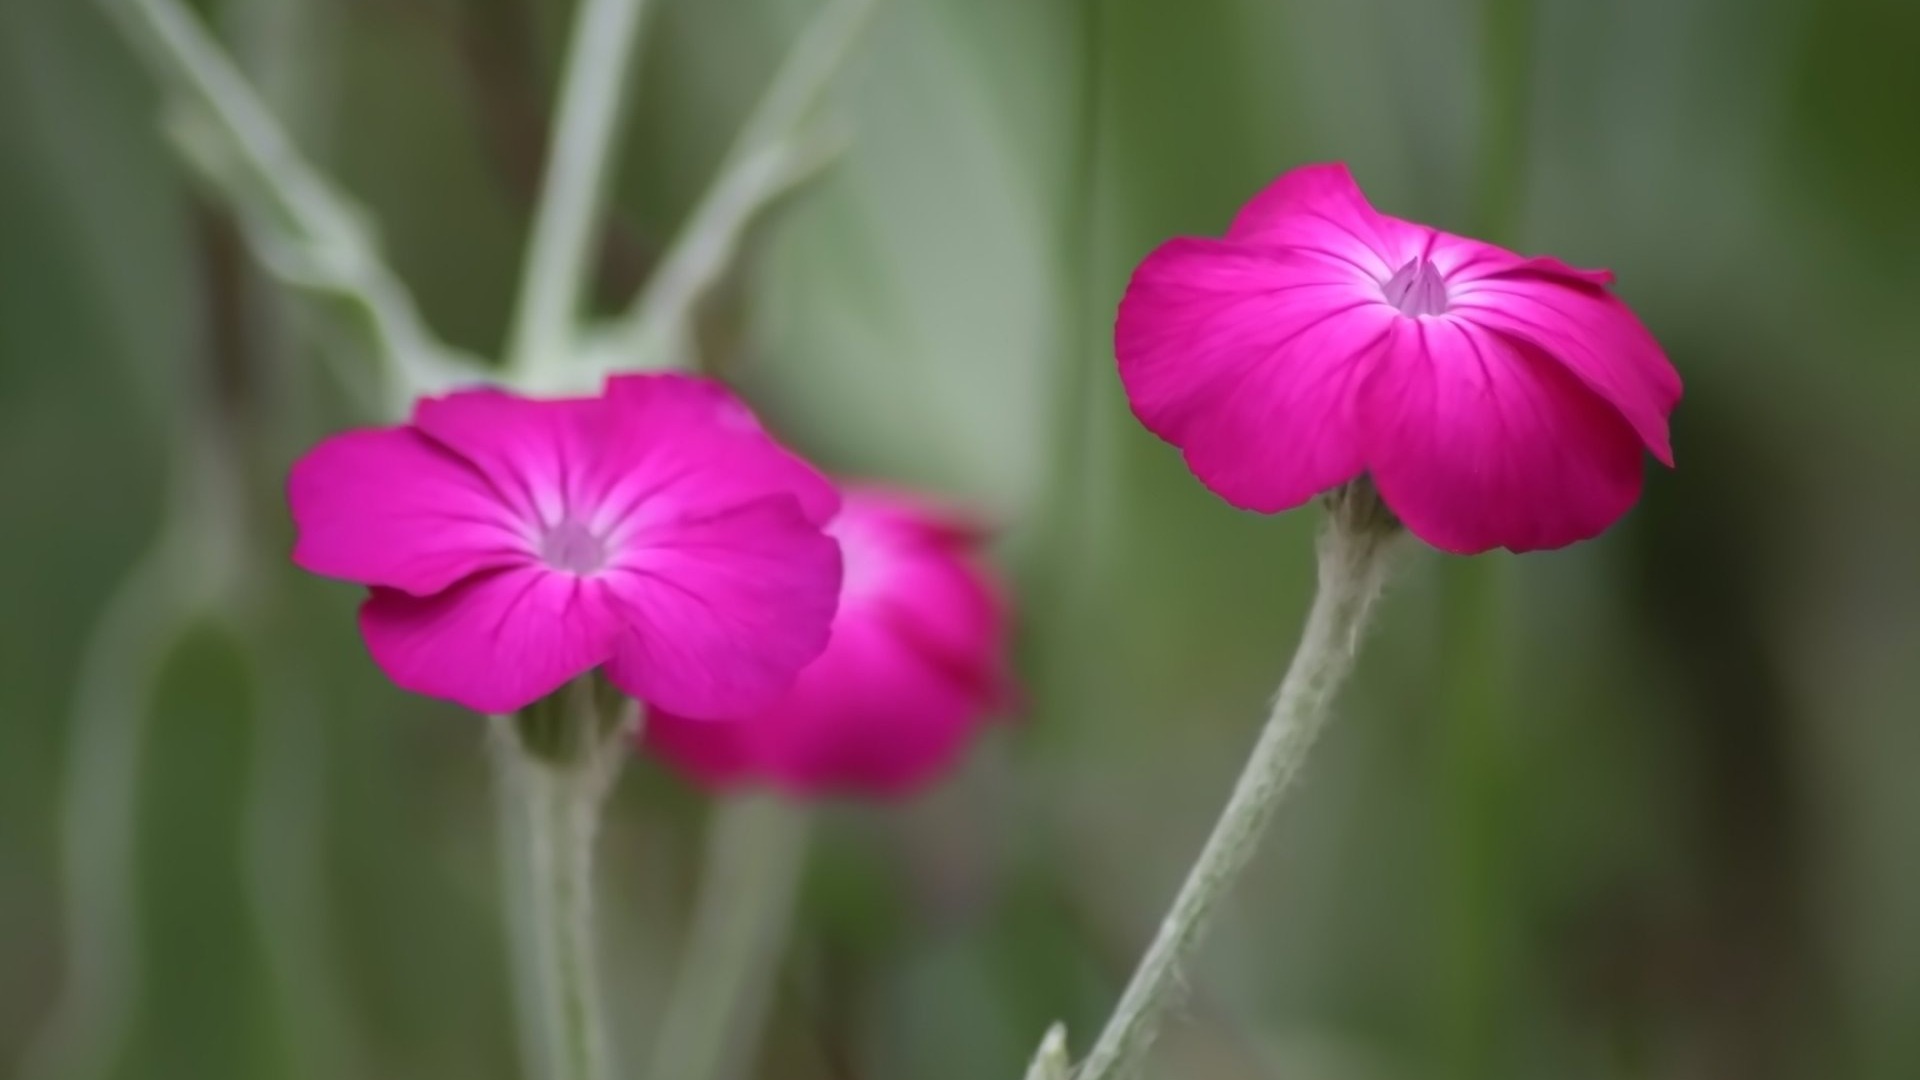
1354 551
756 851
557 760
600 62
777 149
303 230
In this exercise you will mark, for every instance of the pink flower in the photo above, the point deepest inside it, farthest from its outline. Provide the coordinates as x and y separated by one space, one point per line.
915 665
1495 400
655 532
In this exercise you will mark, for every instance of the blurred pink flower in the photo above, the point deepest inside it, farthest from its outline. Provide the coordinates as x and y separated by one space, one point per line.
916 664
1495 400
512 544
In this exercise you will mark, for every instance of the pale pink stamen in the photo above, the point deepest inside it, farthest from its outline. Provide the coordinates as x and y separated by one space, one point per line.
573 548
1417 288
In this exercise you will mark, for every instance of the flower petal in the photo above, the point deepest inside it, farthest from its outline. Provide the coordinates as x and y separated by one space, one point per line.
686 446
494 643
1319 209
384 506
722 612
1249 361
946 609
1477 442
1591 332
870 717
539 454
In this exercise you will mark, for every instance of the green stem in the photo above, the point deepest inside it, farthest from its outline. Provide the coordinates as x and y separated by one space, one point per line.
1353 552
1051 1061
88 1027
756 850
1063 528
772 155
288 48
554 776
188 573
600 59
306 233
1475 677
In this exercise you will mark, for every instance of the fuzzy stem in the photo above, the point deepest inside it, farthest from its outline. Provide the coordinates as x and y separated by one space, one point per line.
1353 567
305 231
1051 1061
773 154
756 850
553 780
600 59
88 1028
189 573
1066 523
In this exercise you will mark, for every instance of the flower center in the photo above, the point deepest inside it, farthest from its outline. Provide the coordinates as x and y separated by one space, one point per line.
572 547
1417 288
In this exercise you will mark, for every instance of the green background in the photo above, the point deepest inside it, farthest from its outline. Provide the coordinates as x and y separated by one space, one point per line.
1681 839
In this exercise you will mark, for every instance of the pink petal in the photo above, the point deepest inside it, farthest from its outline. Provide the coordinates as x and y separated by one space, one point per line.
1548 266
870 717
722 612
916 663
1249 361
1477 442
1588 330
946 608
912 569
494 643
388 507
688 446
1318 209
541 455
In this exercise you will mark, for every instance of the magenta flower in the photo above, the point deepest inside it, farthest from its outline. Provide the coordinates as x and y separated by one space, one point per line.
915 665
1495 400
654 532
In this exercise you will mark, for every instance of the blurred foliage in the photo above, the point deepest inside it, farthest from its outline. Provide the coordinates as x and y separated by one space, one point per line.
1711 850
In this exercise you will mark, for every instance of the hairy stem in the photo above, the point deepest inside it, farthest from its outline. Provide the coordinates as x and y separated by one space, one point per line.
756 850
305 231
554 776
773 154
600 60
1353 567
188 573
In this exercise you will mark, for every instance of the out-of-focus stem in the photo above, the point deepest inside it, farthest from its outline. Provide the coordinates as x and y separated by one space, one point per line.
182 576
773 154
1061 554
1063 529
1353 567
600 61
1051 1061
1475 677
556 763
756 850
121 660
305 231
287 47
